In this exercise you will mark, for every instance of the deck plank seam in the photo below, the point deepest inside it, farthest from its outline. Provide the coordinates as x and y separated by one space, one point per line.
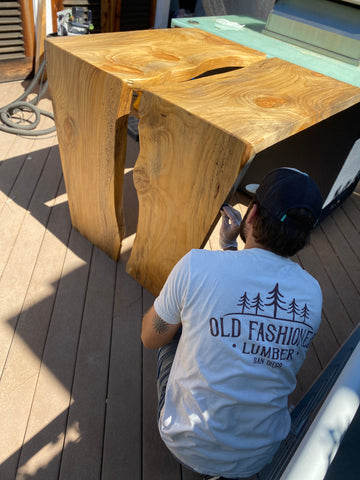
330 279
41 362
21 312
354 230
68 408
11 188
25 207
26 213
116 286
355 204
142 403
341 257
331 276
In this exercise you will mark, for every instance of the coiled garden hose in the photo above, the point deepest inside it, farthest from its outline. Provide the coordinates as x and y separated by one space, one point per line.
9 115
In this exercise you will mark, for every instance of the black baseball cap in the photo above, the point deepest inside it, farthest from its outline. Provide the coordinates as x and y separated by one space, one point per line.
286 188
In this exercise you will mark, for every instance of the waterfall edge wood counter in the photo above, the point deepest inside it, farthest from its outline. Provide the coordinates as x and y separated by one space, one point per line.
196 138
92 79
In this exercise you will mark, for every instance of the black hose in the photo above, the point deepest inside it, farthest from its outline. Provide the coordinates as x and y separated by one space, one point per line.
11 124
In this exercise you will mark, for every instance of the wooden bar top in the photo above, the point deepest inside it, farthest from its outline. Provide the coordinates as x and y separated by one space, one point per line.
146 57
196 138
261 104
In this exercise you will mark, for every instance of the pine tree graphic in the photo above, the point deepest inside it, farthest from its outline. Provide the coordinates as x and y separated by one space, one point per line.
305 313
293 309
275 296
257 303
244 302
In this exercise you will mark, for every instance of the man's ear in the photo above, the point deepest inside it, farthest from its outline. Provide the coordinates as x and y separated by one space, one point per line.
252 214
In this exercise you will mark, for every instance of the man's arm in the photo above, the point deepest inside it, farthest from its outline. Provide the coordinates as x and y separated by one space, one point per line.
155 331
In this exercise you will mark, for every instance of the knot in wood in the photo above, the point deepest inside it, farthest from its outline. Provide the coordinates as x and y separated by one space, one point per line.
141 179
269 102
69 128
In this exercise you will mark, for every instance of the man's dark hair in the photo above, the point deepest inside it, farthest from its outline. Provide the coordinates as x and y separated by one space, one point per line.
284 239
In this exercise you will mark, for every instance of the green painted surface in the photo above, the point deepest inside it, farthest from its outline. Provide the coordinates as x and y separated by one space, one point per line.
251 36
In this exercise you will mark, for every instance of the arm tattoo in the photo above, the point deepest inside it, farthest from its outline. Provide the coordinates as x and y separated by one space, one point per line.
159 325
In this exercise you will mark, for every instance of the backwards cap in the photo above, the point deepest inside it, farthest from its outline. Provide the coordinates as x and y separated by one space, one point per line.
286 188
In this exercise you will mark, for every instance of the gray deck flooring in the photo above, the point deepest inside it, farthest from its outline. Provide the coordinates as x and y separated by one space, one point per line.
77 389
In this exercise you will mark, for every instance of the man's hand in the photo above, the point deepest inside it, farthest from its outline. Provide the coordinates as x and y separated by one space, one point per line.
230 227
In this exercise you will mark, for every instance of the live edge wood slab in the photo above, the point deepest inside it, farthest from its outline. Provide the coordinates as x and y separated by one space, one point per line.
92 79
196 137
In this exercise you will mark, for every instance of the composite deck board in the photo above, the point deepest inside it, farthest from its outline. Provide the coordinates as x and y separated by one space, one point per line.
334 267
346 220
333 307
77 392
123 426
30 319
15 206
88 408
349 260
23 228
48 420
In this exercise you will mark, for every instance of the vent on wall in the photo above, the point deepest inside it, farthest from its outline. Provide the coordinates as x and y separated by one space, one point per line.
11 32
16 39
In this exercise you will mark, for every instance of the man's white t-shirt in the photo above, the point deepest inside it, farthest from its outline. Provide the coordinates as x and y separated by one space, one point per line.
248 318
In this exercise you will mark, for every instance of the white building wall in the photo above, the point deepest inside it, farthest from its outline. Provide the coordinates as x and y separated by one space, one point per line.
48 15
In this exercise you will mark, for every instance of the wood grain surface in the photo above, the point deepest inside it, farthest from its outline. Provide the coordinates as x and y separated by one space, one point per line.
92 142
195 139
92 78
152 57
263 103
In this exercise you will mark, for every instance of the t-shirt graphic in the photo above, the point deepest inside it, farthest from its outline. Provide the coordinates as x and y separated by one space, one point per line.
266 327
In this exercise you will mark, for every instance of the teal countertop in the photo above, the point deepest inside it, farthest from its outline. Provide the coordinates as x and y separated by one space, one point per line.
251 36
